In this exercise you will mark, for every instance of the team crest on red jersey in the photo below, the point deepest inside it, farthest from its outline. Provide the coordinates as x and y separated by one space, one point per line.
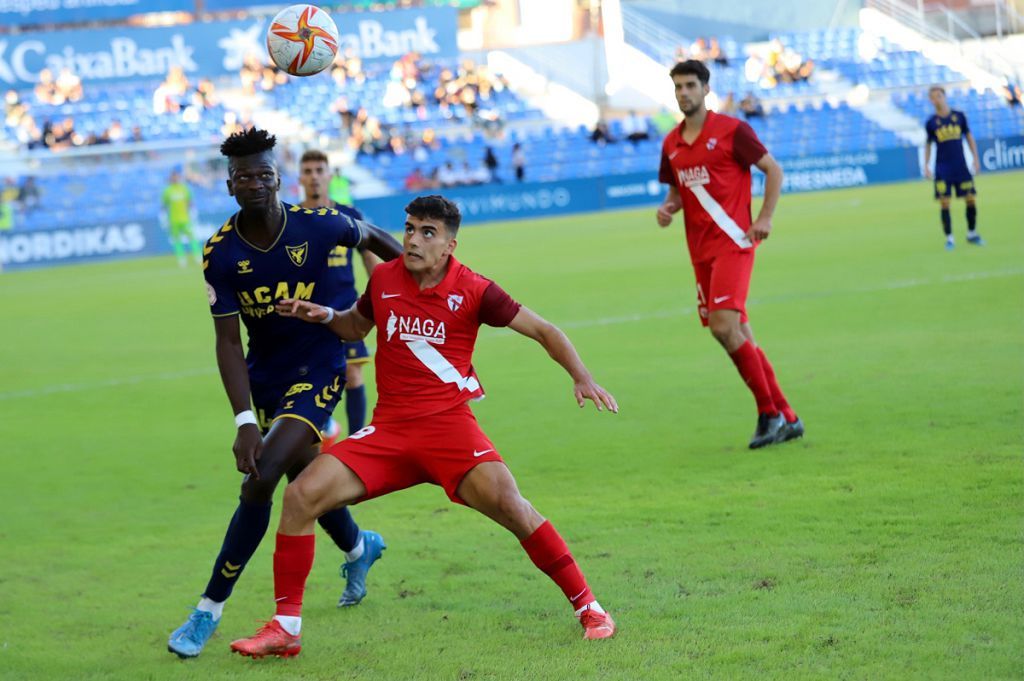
712 143
454 302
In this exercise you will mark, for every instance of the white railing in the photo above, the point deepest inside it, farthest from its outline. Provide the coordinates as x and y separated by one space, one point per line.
917 18
649 36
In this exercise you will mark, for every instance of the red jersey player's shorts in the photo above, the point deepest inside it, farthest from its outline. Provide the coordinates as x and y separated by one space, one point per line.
439 449
723 282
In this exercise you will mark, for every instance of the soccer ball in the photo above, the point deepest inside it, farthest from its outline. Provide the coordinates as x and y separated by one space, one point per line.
302 40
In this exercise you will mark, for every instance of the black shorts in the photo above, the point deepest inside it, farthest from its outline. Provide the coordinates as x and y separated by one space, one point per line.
963 185
311 399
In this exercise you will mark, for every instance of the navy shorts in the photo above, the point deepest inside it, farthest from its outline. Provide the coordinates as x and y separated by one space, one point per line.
356 352
311 399
963 185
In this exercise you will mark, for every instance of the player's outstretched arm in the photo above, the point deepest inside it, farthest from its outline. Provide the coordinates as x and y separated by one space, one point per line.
561 349
379 242
672 204
927 159
235 375
974 151
762 226
348 325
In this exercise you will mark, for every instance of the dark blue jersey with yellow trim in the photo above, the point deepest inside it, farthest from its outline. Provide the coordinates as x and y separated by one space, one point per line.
245 280
340 262
947 132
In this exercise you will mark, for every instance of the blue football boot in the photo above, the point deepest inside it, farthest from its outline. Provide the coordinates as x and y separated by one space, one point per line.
355 571
188 639
975 239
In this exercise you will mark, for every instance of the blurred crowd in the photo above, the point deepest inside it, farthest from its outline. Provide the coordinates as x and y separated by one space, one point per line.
463 95
703 50
777 64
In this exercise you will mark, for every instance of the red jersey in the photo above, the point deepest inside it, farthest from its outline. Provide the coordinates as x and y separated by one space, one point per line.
713 178
425 339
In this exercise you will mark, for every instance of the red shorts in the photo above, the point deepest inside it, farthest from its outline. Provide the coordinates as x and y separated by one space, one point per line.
439 449
722 283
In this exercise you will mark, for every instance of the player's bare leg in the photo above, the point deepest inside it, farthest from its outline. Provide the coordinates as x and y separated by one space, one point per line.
491 489
727 328
324 485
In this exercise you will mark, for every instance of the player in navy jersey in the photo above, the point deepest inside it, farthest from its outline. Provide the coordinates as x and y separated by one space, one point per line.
293 371
946 130
315 178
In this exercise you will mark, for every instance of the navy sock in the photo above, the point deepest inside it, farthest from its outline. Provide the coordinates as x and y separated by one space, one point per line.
355 408
341 527
972 216
244 534
947 224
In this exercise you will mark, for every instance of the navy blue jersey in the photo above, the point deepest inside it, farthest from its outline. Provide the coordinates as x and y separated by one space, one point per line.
246 280
340 263
948 132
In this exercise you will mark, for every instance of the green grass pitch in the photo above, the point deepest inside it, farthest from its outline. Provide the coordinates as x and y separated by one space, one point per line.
887 544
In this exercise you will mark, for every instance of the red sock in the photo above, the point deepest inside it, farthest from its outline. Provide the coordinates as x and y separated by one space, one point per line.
293 559
777 397
548 552
748 362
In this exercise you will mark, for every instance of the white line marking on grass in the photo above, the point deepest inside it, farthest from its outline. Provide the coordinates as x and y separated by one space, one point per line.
110 383
577 324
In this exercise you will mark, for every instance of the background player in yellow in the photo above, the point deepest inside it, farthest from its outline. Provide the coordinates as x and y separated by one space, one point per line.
177 203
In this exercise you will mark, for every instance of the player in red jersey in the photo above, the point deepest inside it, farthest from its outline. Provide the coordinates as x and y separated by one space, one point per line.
427 308
706 164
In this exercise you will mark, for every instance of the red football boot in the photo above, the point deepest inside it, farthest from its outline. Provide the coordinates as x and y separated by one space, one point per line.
596 624
271 639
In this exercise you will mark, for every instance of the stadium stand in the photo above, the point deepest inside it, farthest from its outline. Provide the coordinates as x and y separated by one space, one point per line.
437 121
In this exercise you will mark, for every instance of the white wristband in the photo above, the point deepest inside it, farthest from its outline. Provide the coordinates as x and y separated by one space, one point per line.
329 317
244 417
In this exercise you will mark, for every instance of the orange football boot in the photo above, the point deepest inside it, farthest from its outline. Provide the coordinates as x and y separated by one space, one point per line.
596 624
271 639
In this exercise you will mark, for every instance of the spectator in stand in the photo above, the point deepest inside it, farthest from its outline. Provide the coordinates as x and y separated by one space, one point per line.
116 132
1012 93
251 73
69 85
751 107
28 194
170 94
415 180
716 54
137 133
518 162
464 175
699 50
728 105
341 107
14 109
491 164
479 174
600 134
446 175
205 95
634 127
46 90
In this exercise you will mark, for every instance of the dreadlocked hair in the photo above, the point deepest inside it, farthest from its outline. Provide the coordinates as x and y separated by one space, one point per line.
247 143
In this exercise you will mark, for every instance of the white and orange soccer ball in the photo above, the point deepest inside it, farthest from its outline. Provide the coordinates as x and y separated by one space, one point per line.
302 40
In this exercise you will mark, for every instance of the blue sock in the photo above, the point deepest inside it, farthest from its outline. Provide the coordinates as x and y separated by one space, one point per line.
341 527
245 531
355 408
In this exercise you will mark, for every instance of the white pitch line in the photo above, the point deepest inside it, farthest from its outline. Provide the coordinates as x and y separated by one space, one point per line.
578 324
